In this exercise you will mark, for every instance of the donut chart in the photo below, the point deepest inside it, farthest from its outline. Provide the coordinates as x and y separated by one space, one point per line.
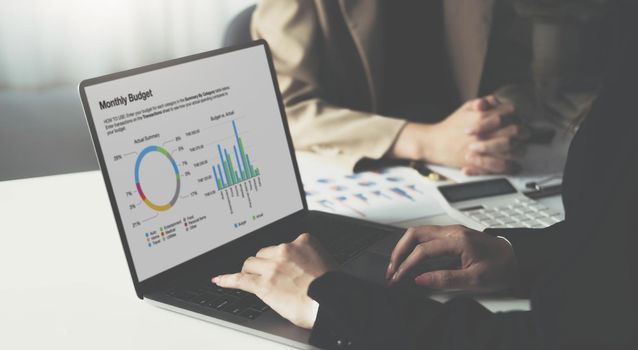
138 162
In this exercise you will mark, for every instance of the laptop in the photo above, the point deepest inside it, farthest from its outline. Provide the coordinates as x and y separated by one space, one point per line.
201 173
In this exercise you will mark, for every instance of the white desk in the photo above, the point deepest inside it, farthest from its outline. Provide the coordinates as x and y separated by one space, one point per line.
65 283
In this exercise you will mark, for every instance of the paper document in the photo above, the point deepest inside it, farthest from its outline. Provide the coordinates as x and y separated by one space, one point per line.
388 196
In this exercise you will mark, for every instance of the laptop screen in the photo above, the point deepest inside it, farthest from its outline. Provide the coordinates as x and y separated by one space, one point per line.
196 155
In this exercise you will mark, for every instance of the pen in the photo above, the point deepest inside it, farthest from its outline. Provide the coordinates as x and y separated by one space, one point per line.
418 165
546 191
424 170
542 184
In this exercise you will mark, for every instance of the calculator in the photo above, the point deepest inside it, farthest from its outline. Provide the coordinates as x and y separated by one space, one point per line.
494 204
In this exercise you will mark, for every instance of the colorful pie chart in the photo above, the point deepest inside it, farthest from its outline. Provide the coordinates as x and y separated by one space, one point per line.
138 184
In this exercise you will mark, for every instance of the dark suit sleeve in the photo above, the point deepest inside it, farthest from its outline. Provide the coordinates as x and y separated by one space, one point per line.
586 299
534 250
356 314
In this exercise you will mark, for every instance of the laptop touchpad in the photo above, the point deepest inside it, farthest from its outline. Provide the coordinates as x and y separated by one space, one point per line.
372 266
386 245
368 266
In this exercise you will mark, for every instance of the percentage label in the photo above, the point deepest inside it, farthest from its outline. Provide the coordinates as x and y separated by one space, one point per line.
178 138
180 148
194 193
117 157
187 173
129 193
136 224
131 206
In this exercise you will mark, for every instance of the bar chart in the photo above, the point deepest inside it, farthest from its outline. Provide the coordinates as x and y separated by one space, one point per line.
228 173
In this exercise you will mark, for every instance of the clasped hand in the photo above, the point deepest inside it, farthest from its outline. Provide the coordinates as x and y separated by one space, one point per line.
480 137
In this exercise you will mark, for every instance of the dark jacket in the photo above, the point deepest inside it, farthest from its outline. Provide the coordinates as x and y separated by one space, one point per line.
581 274
337 74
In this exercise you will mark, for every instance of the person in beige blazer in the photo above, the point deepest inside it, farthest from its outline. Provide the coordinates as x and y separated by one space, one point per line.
335 62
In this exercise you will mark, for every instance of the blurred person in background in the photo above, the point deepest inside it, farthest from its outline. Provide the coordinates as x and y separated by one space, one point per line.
581 274
449 82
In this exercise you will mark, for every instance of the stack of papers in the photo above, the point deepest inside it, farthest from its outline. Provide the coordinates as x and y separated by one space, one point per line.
388 196
400 194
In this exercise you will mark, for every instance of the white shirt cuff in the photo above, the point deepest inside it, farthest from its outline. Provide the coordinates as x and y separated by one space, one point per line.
315 311
505 239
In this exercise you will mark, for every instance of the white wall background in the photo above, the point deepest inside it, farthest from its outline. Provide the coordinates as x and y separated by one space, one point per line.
57 42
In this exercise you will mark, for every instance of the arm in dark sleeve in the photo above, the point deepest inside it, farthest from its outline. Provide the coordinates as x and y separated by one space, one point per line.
357 314
534 250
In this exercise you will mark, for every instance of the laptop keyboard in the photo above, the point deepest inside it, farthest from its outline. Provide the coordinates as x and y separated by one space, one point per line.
342 245
233 301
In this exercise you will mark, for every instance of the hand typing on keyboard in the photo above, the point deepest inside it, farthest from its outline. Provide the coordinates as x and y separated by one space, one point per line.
487 262
280 276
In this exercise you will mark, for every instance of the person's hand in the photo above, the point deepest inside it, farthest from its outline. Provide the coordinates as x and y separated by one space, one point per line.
481 137
487 262
280 276
500 140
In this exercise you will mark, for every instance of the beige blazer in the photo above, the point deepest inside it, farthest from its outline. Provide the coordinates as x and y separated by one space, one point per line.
329 55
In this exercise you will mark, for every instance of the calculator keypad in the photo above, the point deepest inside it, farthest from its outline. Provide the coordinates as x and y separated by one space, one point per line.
522 212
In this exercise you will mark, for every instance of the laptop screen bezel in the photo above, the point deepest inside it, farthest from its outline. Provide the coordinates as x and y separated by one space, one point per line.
142 286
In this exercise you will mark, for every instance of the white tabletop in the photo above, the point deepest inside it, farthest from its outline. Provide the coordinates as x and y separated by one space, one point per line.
64 279
65 282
